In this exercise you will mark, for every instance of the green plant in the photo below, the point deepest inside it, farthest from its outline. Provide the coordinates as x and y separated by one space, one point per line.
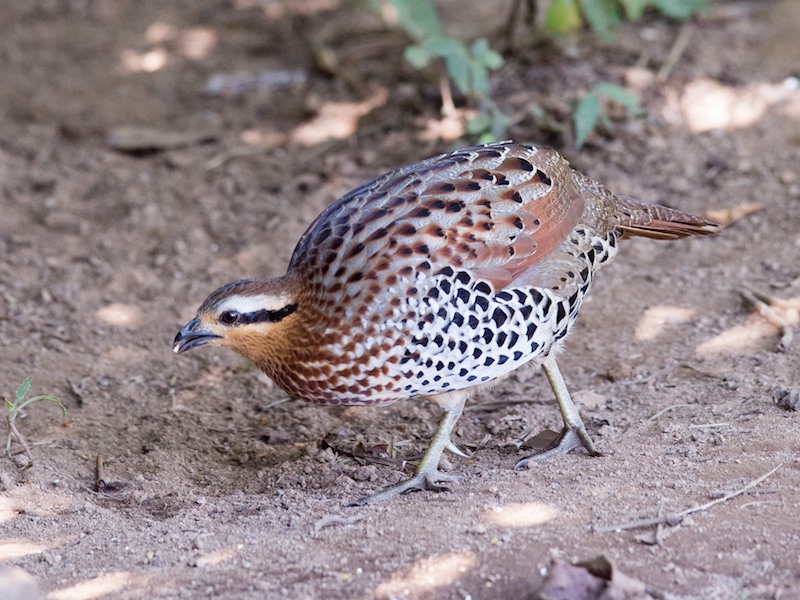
489 125
15 407
589 109
604 16
467 67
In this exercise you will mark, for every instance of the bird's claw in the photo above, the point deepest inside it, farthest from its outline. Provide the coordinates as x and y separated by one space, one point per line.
567 440
420 481
455 450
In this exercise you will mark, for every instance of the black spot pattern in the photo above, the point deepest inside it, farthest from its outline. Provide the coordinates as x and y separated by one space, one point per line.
467 334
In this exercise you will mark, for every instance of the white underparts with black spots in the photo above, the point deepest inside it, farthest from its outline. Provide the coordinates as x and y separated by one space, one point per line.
461 334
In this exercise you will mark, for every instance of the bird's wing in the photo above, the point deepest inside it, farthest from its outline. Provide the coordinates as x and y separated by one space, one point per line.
492 211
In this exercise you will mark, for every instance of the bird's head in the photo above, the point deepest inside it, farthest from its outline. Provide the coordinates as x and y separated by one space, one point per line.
252 317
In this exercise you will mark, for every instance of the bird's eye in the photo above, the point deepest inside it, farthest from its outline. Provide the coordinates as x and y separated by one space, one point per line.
229 317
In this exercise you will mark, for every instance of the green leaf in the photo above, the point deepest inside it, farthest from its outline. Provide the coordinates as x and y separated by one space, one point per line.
680 9
485 55
23 389
619 95
489 126
456 58
563 16
603 16
479 79
47 397
418 18
482 60
417 56
445 46
585 116
458 67
634 8
500 124
479 125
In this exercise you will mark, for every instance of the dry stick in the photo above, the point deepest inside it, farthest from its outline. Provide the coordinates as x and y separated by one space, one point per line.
236 152
277 403
99 480
448 104
510 26
493 405
22 442
759 503
675 519
668 408
333 520
675 53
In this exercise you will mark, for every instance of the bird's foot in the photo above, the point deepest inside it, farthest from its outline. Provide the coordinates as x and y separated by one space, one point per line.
567 440
431 481
455 450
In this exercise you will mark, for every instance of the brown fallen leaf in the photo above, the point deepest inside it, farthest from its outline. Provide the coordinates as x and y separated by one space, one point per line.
726 216
595 579
541 441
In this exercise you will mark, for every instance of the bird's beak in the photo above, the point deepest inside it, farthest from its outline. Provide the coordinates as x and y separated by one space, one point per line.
191 336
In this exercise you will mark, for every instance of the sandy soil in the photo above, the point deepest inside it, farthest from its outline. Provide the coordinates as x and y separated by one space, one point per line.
214 485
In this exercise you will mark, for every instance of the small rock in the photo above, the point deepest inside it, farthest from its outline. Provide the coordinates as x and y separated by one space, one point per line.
788 399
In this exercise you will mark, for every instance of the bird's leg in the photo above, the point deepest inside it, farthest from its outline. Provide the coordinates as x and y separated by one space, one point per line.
574 434
427 476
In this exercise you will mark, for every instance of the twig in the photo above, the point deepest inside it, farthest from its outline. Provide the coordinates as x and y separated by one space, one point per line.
22 442
510 26
99 482
727 497
720 494
236 152
675 53
702 372
668 408
493 405
650 378
448 105
675 519
333 520
276 403
759 503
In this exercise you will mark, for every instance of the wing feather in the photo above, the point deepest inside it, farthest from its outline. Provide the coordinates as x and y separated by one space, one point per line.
491 210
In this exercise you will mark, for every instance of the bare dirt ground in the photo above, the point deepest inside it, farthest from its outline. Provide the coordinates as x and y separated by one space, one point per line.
213 485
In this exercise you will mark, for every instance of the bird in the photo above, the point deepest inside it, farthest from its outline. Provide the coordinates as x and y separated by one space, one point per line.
435 281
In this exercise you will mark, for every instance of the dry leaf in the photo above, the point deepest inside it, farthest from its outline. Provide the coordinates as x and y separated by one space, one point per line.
726 216
595 579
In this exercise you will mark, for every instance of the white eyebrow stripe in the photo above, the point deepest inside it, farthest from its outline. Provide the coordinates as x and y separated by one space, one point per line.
249 304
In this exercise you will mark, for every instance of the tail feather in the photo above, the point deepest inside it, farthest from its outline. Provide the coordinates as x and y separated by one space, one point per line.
643 219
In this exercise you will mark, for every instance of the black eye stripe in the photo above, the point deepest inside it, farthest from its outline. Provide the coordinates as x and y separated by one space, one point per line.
266 316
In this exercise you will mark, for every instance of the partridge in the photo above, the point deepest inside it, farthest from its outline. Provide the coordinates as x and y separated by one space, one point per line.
434 281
